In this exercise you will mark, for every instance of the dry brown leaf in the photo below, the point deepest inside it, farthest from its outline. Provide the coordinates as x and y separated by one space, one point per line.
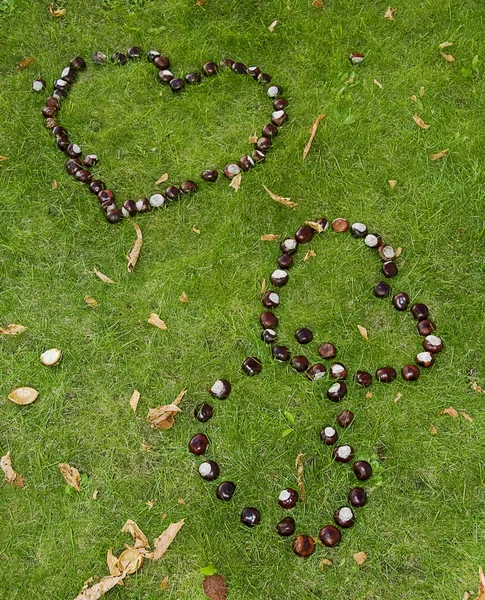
327 562
263 287
392 183
155 320
56 12
421 92
215 587
439 155
23 64
140 539
448 57
162 179
183 298
150 504
195 230
445 45
236 182
450 411
363 332
95 494
397 398
419 122
360 557
318 4
163 417
104 278
477 388
90 301
71 476
162 543
12 330
164 584
481 584
99 589
54 185
135 397
299 468
369 395
432 429
252 139
270 237
388 14
164 516
314 225
378 83
180 501
280 199
414 98
273 25
11 476
466 416
145 447
113 565
308 255
398 252
200 3
313 132
135 250
23 396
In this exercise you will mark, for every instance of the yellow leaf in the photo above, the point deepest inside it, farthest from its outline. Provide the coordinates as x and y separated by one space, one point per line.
318 4
90 301
270 237
363 332
314 225
11 476
450 411
481 584
313 132
195 230
414 98
164 584
236 182
54 185
56 12
398 252
252 139
263 287
155 320
419 122
183 298
397 398
162 543
392 183
135 250
433 430
476 387
280 199
95 494
163 417
388 14
135 397
104 278
439 155
448 57
180 501
71 476
308 255
12 330
273 25
162 179
360 557
369 395
112 561
99 589
421 91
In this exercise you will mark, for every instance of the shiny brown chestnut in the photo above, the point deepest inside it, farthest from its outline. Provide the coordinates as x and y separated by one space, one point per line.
83 176
96 186
252 366
51 101
263 144
279 117
356 58
210 175
433 344
300 363
304 234
239 68
78 63
288 498
198 444
115 215
286 527
129 208
281 353
337 391
289 246
254 72
410 372
328 436
303 335
173 193
386 374
363 378
188 187
49 111
226 490
274 91
210 69
358 230
330 536
246 163
389 269
338 371
209 470
280 103
152 55
340 225
285 261
373 240
203 412
344 517
134 52
165 76
226 63
264 78
268 320
400 301
327 350
73 150
143 205
231 170
250 516
425 359
279 278
90 160
426 327
362 470
68 74
303 545
269 336
59 130
162 62
345 418
420 311
269 130
62 142
357 497
177 84
118 58
258 156
221 389
316 372
73 165
192 78
386 252
271 299
343 454
382 289
59 93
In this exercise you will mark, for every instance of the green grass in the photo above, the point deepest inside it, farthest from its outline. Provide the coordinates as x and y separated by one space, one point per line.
423 528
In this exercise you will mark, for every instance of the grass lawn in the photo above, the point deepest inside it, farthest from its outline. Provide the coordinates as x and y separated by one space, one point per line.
423 529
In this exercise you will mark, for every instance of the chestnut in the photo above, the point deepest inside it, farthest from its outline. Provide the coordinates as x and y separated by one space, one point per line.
203 412
73 165
78 63
258 156
316 372
386 374
129 208
386 252
210 175
221 389
329 436
62 142
281 353
119 58
133 52
410 372
286 527
209 470
152 55
425 359
279 278
300 363
363 378
271 300
226 63
83 176
340 225
330 536
343 454
263 144
344 516
400 301
382 290
358 230
303 545
389 269
357 497
99 58
198 444
114 215
268 320
49 111
226 490
254 72
420 311
239 68
50 123
303 335
426 327
433 344
279 117
177 84
250 517
274 91
288 498
280 103
289 246
73 150
264 78
372 240
96 186
269 131
68 74
327 350
172 193
165 76
285 261
161 62
188 187
251 366
59 130
210 69
157 200
362 470
38 85
356 58
304 234
51 101
269 336
345 418
143 205
90 160
246 163
231 170
338 371
192 78
337 391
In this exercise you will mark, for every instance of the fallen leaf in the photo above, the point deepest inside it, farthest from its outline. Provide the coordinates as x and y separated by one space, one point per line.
135 250
215 587
421 92
280 199
360 557
95 494
476 387
163 417
419 122
99 589
12 330
104 278
273 25
178 399
54 185
439 155
308 255
270 237
392 183
162 179
164 516
71 476
263 287
318 4
90 301
252 139
155 320
433 430
180 501
318 227
23 396
466 416
350 80
450 411
162 543
448 57
150 504
326 562
414 98
146 447
388 14
183 298
445 45
299 468
378 83
164 584
140 539
397 398
200 3
398 252
481 584
112 561
56 12
236 182
11 476
135 397
369 395
363 332
23 64
313 132
194 229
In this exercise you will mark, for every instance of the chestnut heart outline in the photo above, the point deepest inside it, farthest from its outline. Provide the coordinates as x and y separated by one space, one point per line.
80 166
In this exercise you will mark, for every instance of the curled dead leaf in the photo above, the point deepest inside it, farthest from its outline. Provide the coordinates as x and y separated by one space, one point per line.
313 132
270 237
388 14
71 476
163 417
299 468
56 12
392 183
433 430
52 357
448 57
11 476
99 589
183 298
23 396
2 158
439 155
12 330
104 278
280 199
90 301
481 584
95 494
466 416
215 587
155 320
195 230
477 388
162 179
273 25
421 92
162 543
54 185
450 411
419 122
135 250
325 562
252 139
360 557
135 397
263 287
236 182
369 395
398 252
164 584
363 332
445 45
318 4
180 501
23 64
397 398
308 255
314 225
414 98
140 539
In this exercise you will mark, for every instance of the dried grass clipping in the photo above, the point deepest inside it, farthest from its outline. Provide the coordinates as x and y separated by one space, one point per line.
135 250
313 132
439 155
